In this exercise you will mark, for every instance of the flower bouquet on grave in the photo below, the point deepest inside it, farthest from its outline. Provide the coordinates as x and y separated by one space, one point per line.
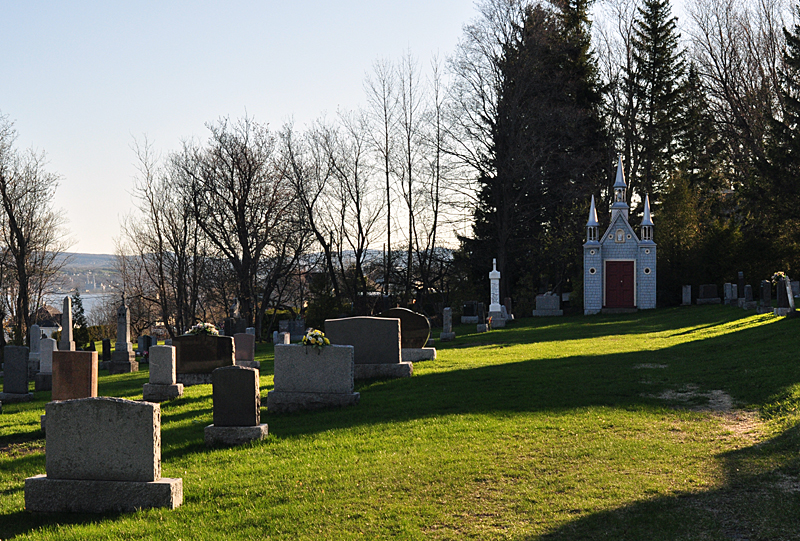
778 276
203 328
489 323
316 339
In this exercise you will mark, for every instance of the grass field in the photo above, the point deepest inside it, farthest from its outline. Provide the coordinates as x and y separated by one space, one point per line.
666 424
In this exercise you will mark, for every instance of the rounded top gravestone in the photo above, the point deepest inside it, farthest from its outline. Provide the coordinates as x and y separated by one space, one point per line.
415 329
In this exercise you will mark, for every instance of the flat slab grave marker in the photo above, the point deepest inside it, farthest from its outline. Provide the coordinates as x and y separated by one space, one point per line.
162 385
197 356
15 375
308 378
103 455
237 407
415 329
376 342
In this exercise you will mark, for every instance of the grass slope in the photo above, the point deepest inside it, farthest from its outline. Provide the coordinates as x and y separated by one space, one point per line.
667 424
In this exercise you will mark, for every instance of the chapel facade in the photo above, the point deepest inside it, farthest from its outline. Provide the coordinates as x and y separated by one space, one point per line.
619 267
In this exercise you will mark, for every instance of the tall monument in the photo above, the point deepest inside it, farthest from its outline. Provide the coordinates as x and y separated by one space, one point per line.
66 343
123 360
495 310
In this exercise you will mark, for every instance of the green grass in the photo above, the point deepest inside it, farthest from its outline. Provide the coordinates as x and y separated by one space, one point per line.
667 424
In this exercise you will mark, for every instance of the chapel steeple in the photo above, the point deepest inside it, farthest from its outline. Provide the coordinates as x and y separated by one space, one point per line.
620 205
592 225
647 221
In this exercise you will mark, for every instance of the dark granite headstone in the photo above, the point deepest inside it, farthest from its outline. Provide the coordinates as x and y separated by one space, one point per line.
376 340
766 293
470 309
748 293
283 325
783 297
708 291
91 346
106 350
741 284
415 329
202 353
507 304
15 370
236 395
481 313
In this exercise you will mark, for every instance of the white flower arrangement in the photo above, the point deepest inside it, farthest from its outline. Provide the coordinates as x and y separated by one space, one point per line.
777 276
316 339
203 328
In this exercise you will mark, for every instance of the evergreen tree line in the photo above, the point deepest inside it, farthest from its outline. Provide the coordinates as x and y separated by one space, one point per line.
706 124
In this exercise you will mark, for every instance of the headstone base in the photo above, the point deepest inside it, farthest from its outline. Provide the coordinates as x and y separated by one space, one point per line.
382 370
43 495
447 336
777 311
289 401
12 398
749 305
122 362
155 392
715 300
465 320
546 313
498 321
194 379
43 382
418 354
233 435
481 327
249 364
429 343
740 302
764 309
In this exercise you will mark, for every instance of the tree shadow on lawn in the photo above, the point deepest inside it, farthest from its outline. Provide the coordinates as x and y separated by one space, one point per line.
735 363
533 330
759 499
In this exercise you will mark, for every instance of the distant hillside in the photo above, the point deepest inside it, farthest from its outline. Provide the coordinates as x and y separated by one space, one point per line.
89 273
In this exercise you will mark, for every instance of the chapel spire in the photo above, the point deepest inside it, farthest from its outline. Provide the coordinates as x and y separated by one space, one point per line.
620 205
647 221
592 225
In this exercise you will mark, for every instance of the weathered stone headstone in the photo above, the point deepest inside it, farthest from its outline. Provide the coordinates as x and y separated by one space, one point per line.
377 345
547 305
307 378
734 294
469 312
106 350
15 375
44 379
237 407
795 288
748 302
66 343
686 295
245 350
250 330
507 304
197 356
33 357
785 298
103 455
414 327
162 385
447 333
740 283
765 297
708 294
727 292
123 360
74 374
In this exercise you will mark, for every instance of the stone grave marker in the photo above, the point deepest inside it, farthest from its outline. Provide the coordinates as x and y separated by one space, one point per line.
15 375
376 342
507 304
447 333
469 312
74 374
415 330
785 298
197 356
686 295
495 311
245 350
548 305
308 378
250 330
481 327
34 357
740 283
708 294
748 302
765 297
162 385
103 455
123 360
728 296
237 407
67 343
106 350
795 288
43 381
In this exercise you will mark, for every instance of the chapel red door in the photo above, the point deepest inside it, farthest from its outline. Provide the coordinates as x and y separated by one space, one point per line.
619 284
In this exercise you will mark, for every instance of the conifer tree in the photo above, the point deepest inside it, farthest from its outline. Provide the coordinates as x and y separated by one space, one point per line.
80 327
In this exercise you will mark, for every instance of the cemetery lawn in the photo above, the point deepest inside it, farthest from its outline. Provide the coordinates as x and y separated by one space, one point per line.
667 424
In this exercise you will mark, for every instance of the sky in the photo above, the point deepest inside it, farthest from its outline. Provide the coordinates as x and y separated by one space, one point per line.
83 80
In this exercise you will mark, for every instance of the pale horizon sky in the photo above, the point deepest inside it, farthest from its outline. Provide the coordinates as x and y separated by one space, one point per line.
82 80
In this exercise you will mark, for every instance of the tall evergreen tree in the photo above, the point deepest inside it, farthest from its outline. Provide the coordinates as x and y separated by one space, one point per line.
80 327
656 83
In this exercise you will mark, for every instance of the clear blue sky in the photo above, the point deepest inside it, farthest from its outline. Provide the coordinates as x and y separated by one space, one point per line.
81 80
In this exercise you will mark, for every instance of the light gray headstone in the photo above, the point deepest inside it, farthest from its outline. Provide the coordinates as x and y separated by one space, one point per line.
46 348
447 320
123 330
36 338
106 439
686 295
162 365
250 330
67 343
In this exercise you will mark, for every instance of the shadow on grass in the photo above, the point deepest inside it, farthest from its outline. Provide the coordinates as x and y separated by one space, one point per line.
759 499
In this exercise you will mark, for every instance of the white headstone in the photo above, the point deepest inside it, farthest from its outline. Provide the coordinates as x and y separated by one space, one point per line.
46 348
